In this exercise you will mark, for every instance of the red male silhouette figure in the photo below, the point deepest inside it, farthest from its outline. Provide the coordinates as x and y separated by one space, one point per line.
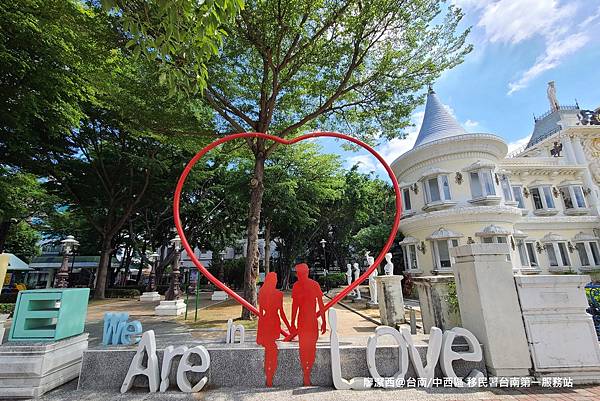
306 293
270 307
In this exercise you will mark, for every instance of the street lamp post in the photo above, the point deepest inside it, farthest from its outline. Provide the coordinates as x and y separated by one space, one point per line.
222 265
174 292
153 257
323 242
193 282
68 245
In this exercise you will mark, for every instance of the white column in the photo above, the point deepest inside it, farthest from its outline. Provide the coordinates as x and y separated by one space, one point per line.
489 307
566 141
592 198
579 154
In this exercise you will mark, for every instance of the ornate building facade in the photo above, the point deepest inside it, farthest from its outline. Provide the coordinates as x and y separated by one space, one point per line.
541 200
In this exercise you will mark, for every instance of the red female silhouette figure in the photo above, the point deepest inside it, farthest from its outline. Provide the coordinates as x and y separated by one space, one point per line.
270 307
306 294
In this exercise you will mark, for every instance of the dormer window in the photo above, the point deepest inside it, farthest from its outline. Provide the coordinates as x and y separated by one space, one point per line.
543 202
507 191
557 251
436 189
406 203
482 183
517 191
587 250
409 249
441 242
483 189
494 234
573 199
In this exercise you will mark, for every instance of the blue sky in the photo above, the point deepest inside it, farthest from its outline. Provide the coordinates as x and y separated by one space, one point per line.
519 45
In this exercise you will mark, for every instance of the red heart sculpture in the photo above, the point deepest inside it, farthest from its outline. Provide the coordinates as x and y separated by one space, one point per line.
228 138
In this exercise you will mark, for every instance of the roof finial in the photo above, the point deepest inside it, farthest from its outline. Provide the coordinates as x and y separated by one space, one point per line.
551 91
430 89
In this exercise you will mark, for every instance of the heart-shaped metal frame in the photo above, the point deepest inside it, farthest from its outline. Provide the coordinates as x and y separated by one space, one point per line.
229 291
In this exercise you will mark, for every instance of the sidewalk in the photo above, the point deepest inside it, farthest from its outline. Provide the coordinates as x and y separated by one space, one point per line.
583 393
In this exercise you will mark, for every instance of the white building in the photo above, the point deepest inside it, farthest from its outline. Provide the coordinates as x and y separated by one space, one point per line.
542 200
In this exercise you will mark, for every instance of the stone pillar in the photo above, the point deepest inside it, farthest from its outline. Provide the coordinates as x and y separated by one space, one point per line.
391 301
4 259
433 299
579 153
489 307
562 337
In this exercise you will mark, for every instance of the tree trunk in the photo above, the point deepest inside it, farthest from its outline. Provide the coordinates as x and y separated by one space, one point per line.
267 246
103 269
257 190
4 227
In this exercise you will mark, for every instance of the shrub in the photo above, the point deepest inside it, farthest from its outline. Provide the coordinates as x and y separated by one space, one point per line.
7 309
333 280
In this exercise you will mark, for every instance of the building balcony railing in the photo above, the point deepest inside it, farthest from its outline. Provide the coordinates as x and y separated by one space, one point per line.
546 114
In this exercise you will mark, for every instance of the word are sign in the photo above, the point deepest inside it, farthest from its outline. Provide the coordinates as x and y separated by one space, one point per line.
147 351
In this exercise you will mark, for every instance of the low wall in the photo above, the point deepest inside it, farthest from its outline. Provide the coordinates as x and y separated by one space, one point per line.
242 366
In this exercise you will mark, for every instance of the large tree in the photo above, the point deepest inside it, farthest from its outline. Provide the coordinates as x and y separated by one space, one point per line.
84 115
349 65
23 200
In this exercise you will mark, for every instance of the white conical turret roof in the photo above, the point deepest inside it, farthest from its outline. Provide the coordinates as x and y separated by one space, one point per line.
438 123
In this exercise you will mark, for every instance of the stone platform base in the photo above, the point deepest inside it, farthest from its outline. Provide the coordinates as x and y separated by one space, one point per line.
150 296
28 370
219 296
242 366
170 308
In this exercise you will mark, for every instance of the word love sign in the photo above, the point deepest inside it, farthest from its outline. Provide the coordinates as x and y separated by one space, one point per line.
439 349
251 135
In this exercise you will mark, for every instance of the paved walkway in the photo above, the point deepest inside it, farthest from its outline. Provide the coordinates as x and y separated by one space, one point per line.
581 393
212 319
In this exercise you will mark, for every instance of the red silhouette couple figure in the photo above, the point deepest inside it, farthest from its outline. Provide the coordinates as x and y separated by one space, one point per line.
306 295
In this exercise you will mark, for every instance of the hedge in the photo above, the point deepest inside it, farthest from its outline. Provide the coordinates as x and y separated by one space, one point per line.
333 280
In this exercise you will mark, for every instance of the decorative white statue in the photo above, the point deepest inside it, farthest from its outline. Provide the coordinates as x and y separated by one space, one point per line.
372 282
349 275
389 266
552 96
356 276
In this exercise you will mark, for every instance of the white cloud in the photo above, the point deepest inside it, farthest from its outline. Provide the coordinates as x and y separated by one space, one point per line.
513 21
366 163
563 26
519 143
471 125
551 58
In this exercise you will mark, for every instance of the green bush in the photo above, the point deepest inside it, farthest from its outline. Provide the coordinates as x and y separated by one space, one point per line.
234 272
333 280
7 309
